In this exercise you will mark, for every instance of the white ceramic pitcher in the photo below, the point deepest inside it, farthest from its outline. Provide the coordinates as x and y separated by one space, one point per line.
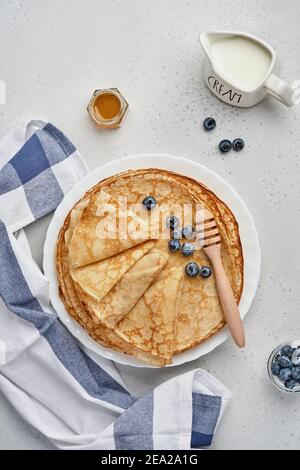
238 69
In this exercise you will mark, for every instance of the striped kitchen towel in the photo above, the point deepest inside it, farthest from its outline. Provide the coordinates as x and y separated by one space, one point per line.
76 400
39 165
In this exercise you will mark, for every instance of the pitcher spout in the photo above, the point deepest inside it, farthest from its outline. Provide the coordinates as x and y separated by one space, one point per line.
208 38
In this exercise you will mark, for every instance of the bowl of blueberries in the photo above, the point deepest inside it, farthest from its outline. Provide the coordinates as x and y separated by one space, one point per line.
284 366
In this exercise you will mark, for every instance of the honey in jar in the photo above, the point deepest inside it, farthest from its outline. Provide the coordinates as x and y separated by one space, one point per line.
107 108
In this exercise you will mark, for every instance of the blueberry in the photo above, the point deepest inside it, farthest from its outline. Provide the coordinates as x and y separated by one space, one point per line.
172 221
205 271
187 249
225 145
285 374
290 383
296 373
275 368
192 269
188 232
209 124
284 361
238 144
276 358
176 233
287 351
296 357
149 202
174 245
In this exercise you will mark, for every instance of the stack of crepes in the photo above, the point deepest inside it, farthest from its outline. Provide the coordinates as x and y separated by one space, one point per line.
126 289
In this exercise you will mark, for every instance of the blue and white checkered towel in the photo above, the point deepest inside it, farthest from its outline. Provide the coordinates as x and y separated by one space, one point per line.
77 401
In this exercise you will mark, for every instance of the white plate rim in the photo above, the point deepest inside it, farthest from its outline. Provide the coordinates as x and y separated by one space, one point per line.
183 166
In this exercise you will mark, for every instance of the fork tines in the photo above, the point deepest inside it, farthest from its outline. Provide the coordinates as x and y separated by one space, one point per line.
208 233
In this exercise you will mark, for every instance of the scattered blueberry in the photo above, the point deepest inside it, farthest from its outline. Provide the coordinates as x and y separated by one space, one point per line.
172 221
296 373
176 233
290 383
284 361
192 269
149 202
209 124
238 144
174 245
188 232
187 249
287 351
225 145
285 374
296 357
275 368
205 271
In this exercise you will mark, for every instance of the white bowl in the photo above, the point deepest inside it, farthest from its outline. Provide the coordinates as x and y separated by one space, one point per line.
183 166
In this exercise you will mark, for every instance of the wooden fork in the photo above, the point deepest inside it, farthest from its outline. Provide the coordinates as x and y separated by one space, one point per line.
208 236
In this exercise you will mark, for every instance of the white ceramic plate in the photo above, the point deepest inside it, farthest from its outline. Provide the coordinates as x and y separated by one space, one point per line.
248 234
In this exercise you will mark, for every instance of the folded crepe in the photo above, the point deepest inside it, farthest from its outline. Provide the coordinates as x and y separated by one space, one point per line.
118 302
95 238
150 324
99 278
132 295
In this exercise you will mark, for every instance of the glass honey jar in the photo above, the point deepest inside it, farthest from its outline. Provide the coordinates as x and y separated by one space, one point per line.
107 108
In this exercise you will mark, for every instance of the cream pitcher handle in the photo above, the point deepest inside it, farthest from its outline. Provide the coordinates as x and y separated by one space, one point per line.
280 90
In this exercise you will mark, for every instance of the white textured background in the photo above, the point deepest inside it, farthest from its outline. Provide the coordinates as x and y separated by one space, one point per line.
54 53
